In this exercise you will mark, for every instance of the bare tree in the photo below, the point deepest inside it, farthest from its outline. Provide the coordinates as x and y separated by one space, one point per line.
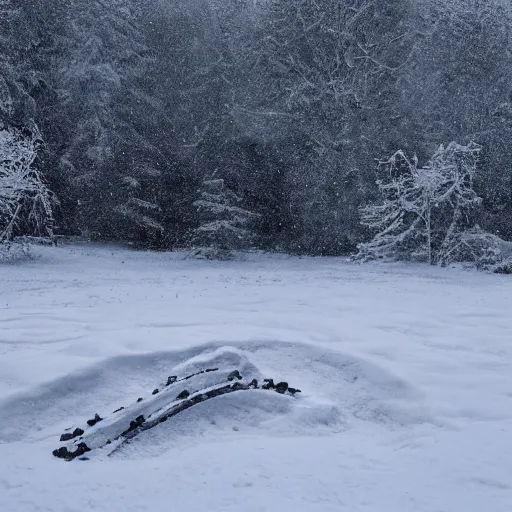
324 75
26 203
423 210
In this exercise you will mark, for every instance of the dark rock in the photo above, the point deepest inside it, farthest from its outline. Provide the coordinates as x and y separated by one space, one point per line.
139 400
139 420
253 384
211 370
171 380
64 453
109 441
183 395
93 422
292 391
67 437
117 410
268 384
282 387
84 458
61 453
163 419
238 385
155 391
81 448
234 375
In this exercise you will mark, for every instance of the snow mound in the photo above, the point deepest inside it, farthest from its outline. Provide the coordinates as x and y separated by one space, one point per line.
338 391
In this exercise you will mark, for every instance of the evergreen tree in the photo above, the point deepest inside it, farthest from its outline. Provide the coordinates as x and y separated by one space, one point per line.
223 226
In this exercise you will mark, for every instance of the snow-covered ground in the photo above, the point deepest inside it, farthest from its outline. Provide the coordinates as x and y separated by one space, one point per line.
406 373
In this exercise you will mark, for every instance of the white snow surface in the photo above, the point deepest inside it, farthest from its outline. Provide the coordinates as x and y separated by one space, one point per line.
406 373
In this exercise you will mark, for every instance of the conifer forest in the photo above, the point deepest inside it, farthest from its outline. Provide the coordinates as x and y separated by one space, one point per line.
299 126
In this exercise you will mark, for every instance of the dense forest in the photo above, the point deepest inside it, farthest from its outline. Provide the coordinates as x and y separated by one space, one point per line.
304 126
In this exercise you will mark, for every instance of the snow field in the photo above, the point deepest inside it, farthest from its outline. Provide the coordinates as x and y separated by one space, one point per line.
406 373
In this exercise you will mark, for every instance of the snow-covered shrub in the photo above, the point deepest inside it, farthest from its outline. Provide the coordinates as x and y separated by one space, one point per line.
13 251
485 250
223 226
423 210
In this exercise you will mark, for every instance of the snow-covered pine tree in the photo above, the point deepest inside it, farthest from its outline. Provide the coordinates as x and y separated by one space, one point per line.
16 105
423 210
223 226
108 120
26 203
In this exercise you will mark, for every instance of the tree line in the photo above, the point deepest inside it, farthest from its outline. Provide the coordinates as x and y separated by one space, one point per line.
142 108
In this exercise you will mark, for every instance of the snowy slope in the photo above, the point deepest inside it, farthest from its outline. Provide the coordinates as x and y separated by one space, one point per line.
406 374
